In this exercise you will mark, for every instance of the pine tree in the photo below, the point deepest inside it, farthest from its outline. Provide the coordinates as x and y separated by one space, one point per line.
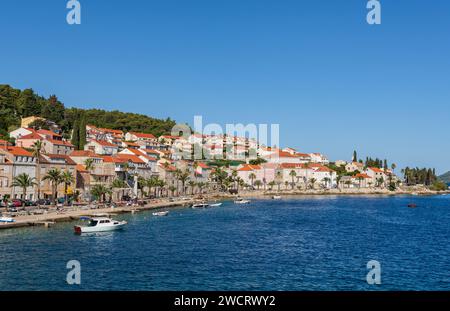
76 135
82 134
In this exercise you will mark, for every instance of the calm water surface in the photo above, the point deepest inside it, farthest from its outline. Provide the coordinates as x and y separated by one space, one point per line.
310 243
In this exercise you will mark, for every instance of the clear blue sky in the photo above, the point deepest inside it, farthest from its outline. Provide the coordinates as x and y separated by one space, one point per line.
332 82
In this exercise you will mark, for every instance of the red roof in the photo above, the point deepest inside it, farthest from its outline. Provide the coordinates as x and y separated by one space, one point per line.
203 165
376 169
49 133
83 153
104 143
361 176
81 168
143 135
292 165
110 159
17 151
169 167
60 142
66 158
130 158
248 168
4 142
32 135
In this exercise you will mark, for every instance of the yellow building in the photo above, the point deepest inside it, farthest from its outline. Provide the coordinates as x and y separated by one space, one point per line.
28 120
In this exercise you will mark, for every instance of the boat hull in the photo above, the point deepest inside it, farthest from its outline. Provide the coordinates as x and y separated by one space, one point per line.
80 229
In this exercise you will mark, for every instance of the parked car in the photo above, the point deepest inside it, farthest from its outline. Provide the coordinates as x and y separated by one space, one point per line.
15 203
126 198
43 202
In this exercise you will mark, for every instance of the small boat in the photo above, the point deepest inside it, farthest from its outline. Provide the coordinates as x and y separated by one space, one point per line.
7 219
415 193
241 201
200 205
100 224
276 197
165 213
412 205
215 205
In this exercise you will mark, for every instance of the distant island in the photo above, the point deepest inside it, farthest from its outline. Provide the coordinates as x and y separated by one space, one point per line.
445 177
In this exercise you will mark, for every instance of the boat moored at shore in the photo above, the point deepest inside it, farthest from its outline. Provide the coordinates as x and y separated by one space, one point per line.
100 224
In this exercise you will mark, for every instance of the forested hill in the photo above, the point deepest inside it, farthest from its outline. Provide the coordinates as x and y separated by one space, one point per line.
15 104
445 177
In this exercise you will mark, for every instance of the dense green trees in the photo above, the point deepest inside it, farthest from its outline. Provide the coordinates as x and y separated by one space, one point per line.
15 104
414 176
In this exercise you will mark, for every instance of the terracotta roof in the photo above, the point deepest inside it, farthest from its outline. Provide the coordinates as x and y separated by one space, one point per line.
324 169
32 135
17 151
376 169
142 154
361 176
203 165
110 159
84 153
143 135
81 168
4 142
47 132
130 158
292 165
169 167
103 143
66 158
248 168
60 142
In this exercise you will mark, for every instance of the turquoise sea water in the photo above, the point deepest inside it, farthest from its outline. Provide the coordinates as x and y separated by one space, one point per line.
302 243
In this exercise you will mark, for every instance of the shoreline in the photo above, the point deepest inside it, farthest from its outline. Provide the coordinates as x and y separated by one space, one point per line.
47 220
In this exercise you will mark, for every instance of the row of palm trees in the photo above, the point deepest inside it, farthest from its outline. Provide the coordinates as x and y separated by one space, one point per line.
55 176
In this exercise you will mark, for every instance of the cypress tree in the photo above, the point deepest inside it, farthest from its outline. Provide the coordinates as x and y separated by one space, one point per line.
82 134
76 135
355 156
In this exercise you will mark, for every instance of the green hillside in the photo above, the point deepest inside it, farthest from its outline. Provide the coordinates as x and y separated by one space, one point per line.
15 104
445 177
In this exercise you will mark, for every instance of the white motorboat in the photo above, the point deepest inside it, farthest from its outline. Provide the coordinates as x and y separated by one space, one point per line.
165 213
101 224
215 205
276 197
7 219
200 205
241 201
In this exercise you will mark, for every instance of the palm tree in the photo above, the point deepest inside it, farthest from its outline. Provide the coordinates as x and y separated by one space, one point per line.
271 184
348 183
89 165
37 151
67 178
360 179
312 181
293 174
183 176
23 181
172 190
192 185
54 176
393 166
258 184
200 186
326 180
118 184
252 177
100 192
279 179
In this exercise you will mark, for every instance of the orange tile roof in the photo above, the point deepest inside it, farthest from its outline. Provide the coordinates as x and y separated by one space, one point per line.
104 143
130 158
84 153
17 151
361 176
32 135
4 142
376 169
292 165
248 168
60 142
143 135
81 168
47 132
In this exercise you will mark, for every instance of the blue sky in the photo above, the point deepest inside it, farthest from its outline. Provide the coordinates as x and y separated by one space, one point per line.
332 82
